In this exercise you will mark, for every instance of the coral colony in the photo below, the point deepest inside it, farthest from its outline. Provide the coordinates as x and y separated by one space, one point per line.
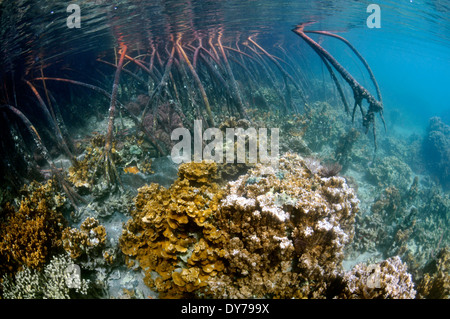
167 185
257 145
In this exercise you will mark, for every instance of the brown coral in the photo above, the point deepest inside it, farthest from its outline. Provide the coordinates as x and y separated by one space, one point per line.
31 232
171 232
82 173
436 283
388 279
287 228
90 236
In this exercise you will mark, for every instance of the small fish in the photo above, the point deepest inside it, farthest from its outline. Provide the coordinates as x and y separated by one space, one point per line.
131 170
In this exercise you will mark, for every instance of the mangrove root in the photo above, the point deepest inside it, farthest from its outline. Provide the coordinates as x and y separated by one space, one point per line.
359 92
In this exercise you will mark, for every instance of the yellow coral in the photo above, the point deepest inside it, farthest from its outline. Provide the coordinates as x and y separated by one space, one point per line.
91 235
29 234
171 234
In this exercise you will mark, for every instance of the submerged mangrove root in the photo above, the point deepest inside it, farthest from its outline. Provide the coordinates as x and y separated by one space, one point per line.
107 161
359 92
182 53
74 198
286 75
51 118
105 93
233 80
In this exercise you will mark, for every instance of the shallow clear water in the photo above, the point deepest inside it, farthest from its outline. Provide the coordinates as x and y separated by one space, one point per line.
409 55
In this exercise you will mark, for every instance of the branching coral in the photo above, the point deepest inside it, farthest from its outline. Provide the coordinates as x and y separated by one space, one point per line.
55 281
91 236
29 234
171 234
436 283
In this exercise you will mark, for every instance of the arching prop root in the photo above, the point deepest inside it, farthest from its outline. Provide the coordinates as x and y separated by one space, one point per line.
105 93
74 198
360 93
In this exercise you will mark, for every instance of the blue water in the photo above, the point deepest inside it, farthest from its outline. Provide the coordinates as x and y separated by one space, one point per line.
409 55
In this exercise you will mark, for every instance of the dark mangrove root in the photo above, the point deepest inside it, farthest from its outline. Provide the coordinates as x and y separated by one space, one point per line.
235 88
360 57
182 54
51 118
110 169
338 85
285 74
105 93
124 70
150 71
74 198
267 73
359 92
161 83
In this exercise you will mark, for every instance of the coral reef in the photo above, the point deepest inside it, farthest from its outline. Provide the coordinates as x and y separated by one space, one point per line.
30 233
170 233
83 172
324 126
129 152
81 242
161 120
343 152
436 150
411 223
59 279
388 279
287 230
436 282
390 171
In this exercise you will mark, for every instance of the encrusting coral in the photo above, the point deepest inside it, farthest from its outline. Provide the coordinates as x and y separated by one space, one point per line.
171 235
388 279
287 228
